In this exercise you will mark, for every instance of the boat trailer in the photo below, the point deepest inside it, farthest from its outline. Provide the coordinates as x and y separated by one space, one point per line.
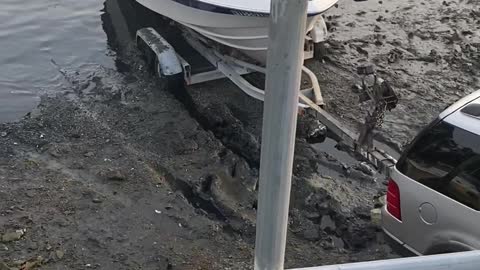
171 67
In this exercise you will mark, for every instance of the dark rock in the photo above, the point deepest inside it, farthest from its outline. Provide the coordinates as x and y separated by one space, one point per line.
311 234
455 37
220 120
337 242
377 205
330 27
32 245
380 201
394 55
351 24
396 42
311 129
361 50
55 154
327 245
30 193
185 146
327 223
304 162
362 212
115 175
332 242
361 237
78 165
33 263
365 168
330 158
97 200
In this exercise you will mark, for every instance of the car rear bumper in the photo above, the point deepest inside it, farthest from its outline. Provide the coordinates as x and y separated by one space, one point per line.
398 246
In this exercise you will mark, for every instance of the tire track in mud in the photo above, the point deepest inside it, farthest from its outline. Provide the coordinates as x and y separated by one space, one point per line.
197 197
219 119
90 122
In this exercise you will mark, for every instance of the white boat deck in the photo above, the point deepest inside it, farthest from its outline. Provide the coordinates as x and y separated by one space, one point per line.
263 6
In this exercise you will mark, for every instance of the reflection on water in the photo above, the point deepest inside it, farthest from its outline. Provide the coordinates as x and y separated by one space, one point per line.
32 34
122 19
329 146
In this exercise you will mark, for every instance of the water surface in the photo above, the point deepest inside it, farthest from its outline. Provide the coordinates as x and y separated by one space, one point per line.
33 34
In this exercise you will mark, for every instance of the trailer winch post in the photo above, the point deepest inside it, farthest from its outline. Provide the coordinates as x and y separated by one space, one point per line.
284 65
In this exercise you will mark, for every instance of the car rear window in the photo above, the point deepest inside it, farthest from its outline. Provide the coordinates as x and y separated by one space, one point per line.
447 159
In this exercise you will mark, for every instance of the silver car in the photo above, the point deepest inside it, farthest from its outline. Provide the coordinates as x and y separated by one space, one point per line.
433 197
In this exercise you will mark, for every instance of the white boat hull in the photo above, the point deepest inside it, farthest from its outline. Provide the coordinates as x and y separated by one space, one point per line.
244 31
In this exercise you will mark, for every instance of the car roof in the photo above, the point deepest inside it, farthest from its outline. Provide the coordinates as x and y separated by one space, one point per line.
460 113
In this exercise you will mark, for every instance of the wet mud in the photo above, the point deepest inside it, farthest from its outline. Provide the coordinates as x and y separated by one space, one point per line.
115 173
120 171
427 50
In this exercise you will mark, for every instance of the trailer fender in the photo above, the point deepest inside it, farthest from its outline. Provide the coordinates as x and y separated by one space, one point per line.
165 62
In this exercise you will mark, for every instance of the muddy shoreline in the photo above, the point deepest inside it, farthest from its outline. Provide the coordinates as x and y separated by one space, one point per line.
116 171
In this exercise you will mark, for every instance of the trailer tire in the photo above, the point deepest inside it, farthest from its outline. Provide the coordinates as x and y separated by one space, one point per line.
174 82
321 50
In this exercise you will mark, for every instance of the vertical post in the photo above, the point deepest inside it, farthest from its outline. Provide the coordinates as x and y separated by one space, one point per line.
284 63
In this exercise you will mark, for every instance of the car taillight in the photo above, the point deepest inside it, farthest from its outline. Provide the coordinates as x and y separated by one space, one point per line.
393 200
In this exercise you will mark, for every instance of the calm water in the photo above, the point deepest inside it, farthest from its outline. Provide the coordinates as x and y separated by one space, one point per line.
35 33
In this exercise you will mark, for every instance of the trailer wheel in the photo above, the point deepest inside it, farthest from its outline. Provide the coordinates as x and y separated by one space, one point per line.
174 82
321 50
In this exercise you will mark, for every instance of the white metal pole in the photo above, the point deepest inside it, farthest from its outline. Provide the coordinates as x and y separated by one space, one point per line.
284 63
